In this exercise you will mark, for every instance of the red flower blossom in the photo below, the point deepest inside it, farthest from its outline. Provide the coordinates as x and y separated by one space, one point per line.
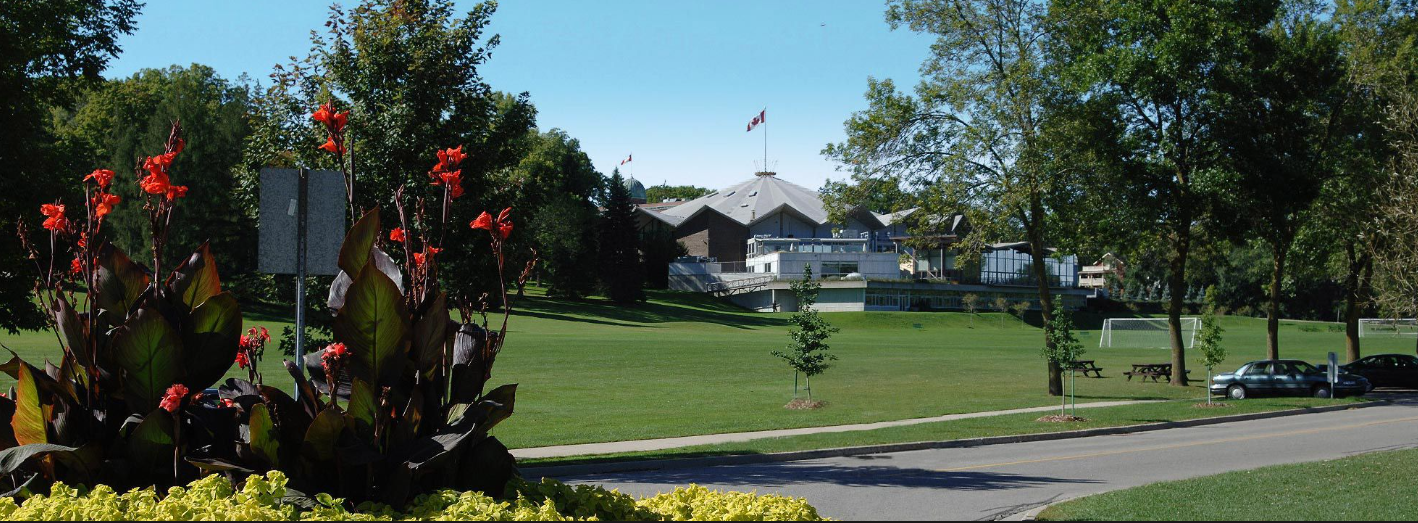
500 228
456 190
333 147
102 177
76 266
55 220
397 235
419 259
228 403
484 221
104 202
241 360
83 241
176 191
265 334
172 400
505 229
334 121
334 354
449 158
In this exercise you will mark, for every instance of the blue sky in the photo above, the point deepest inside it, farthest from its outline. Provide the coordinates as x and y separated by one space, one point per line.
673 83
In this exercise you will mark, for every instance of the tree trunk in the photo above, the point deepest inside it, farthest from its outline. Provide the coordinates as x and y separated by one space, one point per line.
1041 276
1181 243
1272 323
1356 291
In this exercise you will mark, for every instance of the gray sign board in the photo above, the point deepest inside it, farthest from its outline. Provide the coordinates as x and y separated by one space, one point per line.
279 218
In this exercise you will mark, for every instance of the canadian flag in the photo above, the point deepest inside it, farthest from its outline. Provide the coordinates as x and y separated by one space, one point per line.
627 159
762 117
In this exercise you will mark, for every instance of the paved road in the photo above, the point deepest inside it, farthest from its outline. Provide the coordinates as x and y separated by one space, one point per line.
994 482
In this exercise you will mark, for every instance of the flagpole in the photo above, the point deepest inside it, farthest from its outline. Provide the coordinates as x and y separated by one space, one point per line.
765 139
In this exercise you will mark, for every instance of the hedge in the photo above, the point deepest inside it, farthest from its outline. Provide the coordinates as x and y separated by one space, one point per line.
266 498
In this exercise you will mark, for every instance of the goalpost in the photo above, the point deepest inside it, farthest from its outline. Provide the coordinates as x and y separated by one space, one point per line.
1388 327
1146 333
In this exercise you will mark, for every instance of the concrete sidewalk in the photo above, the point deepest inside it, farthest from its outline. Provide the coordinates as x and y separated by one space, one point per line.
647 445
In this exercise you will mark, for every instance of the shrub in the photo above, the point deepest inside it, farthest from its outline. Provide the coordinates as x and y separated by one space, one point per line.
267 498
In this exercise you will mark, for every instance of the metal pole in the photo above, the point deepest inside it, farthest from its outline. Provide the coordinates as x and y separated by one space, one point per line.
765 139
302 195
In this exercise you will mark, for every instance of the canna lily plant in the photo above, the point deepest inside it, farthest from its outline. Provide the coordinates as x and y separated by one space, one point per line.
395 407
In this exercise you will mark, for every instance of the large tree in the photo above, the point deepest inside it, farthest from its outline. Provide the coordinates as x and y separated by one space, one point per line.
48 52
123 121
621 271
409 73
982 133
1159 62
554 188
1280 110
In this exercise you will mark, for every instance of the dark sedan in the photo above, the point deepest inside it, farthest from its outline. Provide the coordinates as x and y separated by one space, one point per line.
1386 370
1284 377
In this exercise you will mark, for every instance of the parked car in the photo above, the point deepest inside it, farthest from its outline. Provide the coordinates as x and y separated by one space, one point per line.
1386 370
1287 378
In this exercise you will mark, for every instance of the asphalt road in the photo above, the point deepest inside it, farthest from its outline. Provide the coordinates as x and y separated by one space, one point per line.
998 481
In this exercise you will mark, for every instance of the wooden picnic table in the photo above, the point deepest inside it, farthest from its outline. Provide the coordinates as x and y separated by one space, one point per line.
1156 371
1086 366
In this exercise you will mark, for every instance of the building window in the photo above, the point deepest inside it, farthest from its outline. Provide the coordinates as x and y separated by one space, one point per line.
838 268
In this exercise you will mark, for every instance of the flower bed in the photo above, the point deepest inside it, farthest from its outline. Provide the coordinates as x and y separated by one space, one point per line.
266 498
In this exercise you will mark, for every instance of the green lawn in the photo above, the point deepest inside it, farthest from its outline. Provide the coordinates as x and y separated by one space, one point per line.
685 364
1371 487
1008 425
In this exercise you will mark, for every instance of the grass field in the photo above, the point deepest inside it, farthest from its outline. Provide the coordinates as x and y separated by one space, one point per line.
686 364
1370 487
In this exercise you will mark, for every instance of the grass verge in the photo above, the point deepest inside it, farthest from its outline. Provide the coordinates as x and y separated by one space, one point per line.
1370 487
1006 425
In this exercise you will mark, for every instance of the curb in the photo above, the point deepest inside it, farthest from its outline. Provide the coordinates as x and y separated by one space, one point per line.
554 471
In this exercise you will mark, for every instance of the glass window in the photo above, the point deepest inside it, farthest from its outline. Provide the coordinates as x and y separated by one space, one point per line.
1300 367
1259 369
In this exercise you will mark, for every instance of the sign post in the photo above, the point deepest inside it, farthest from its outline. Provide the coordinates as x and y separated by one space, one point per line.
302 224
1333 373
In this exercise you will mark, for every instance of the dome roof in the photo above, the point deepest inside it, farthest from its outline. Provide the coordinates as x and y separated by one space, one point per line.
637 189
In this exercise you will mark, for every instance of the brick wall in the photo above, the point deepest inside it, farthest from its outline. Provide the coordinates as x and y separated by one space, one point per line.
712 234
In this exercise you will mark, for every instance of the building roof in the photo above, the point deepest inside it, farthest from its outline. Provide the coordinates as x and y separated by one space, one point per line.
637 189
751 200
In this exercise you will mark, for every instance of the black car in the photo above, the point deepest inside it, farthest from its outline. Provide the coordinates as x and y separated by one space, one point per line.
1284 377
1386 370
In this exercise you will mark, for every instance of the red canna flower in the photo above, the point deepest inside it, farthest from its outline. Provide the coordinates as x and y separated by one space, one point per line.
333 355
104 202
83 241
241 360
484 221
76 267
341 118
228 403
172 400
419 259
265 335
325 114
176 191
456 190
333 147
505 229
156 182
55 220
449 158
397 235
102 177
504 215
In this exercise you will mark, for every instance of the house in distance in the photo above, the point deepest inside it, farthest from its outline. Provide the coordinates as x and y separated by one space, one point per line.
748 241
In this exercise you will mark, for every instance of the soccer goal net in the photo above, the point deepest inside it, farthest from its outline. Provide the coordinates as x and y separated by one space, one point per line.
1388 328
1146 333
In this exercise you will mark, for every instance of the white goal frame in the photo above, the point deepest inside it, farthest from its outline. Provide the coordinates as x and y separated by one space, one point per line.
1367 332
1187 322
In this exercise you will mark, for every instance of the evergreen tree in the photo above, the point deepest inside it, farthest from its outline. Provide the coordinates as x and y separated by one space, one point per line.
621 271
660 248
807 353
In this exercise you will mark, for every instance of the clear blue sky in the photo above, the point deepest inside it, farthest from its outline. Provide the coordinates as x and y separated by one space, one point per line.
674 83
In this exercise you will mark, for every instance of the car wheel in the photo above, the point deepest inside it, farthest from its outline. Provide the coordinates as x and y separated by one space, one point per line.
1322 392
1236 392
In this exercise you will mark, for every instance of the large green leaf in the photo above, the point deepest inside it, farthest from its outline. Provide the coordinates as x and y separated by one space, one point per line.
120 282
12 459
149 351
431 335
197 278
354 252
363 409
151 443
374 325
30 422
322 439
265 441
210 339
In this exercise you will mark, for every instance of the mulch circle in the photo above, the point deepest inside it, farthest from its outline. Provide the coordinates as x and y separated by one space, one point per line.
802 404
1212 406
1061 418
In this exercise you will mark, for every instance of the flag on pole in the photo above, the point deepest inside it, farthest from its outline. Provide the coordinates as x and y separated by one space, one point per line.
762 117
626 160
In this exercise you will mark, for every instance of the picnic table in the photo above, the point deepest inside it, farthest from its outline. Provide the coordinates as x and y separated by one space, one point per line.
1086 366
1156 371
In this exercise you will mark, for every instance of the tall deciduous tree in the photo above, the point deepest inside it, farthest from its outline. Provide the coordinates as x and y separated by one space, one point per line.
662 192
621 270
1280 110
554 187
807 352
1159 63
983 133
48 52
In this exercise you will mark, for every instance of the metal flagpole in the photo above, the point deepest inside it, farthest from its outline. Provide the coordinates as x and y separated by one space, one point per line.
765 139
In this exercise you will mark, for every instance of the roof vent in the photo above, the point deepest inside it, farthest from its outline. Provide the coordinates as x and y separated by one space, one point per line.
731 193
752 194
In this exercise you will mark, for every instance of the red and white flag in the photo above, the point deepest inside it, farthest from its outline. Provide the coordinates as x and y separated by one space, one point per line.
626 160
762 117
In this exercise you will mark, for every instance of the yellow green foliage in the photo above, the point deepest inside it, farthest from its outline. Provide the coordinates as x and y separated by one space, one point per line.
261 499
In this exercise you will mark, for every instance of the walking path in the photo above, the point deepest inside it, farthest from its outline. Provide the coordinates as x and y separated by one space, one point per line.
647 445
